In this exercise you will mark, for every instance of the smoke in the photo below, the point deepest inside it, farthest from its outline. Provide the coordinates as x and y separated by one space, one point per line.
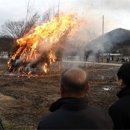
79 42
109 42
89 38
88 43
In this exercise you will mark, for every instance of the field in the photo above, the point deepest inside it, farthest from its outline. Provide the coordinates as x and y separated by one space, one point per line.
24 100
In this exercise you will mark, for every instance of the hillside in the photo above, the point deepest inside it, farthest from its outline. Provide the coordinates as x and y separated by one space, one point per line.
109 41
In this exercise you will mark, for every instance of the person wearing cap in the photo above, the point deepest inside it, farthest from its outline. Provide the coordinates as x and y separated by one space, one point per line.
72 111
120 110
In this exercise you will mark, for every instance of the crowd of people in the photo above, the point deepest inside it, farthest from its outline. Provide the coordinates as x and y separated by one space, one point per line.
72 110
118 59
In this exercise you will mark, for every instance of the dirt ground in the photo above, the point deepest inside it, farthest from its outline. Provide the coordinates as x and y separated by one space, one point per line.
24 100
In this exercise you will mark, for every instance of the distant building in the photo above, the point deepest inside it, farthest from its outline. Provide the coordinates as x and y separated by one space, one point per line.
4 55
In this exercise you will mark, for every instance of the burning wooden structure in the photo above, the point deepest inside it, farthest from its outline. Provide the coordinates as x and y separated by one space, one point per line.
37 49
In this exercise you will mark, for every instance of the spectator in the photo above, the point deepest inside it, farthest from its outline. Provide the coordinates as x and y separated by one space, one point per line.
120 110
72 110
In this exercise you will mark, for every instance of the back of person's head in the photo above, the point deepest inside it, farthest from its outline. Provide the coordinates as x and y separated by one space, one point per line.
124 73
74 82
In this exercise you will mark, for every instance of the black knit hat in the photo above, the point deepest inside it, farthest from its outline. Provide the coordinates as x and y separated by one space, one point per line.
124 73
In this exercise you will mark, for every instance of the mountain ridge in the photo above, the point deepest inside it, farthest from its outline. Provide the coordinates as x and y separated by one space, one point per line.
109 40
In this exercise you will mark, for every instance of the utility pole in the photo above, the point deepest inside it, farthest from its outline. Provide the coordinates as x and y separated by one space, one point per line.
53 11
102 33
27 12
102 25
58 8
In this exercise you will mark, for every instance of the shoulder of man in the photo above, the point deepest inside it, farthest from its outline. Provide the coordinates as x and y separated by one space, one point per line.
101 115
120 104
120 107
43 119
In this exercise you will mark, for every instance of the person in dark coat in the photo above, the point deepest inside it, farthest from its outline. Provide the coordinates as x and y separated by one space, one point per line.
72 111
120 110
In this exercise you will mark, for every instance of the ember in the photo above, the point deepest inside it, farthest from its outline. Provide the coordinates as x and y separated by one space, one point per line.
37 49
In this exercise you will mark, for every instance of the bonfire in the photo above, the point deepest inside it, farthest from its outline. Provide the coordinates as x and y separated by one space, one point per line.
37 49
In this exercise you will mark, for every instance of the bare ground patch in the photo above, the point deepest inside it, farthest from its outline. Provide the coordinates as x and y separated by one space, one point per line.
23 100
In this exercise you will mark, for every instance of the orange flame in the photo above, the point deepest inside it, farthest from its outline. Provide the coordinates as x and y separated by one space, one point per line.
43 38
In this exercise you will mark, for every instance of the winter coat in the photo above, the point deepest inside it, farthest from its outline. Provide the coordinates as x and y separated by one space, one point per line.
120 110
74 113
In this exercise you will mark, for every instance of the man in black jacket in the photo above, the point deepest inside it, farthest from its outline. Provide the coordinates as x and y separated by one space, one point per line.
72 110
120 110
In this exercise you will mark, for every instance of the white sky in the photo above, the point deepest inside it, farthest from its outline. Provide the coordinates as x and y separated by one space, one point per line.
116 12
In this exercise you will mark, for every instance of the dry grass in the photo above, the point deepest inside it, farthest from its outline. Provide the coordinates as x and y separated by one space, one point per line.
23 100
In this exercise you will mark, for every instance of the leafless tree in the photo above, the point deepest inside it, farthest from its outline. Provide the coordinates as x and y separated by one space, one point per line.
16 29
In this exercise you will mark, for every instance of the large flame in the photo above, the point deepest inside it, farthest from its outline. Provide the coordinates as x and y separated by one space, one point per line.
40 44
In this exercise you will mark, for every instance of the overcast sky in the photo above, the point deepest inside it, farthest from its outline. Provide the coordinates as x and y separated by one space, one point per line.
116 12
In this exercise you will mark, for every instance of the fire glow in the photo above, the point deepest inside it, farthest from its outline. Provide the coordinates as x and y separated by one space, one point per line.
37 49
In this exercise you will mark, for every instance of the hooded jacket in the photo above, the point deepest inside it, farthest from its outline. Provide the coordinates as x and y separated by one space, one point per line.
74 113
120 110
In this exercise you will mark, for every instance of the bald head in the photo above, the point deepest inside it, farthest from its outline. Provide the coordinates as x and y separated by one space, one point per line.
74 80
